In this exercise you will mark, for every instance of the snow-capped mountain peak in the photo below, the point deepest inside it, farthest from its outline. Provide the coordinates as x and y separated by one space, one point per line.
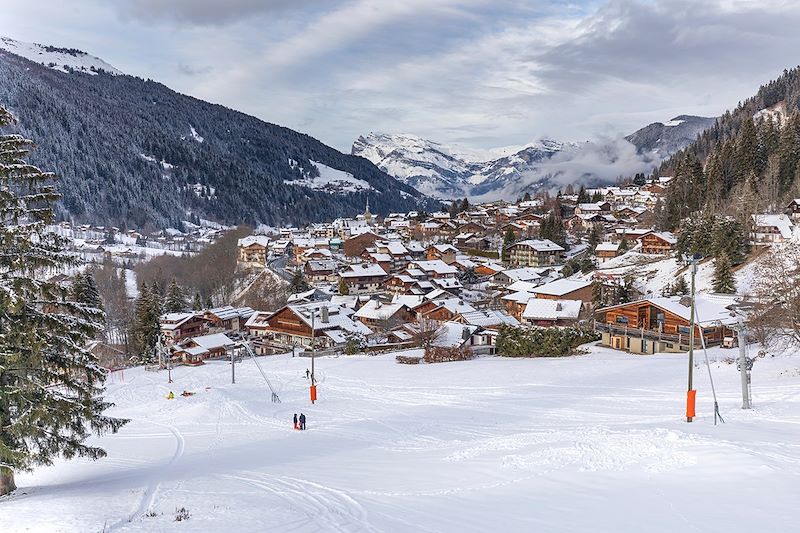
61 59
449 171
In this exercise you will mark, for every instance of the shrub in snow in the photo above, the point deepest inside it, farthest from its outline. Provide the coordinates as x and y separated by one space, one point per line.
542 342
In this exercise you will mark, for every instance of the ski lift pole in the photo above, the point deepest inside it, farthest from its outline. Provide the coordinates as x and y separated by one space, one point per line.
743 366
233 365
691 394
313 389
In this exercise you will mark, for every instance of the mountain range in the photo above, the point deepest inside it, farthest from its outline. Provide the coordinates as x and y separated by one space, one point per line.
133 153
448 173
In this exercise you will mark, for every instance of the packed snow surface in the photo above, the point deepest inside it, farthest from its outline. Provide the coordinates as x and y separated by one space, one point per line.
61 59
589 443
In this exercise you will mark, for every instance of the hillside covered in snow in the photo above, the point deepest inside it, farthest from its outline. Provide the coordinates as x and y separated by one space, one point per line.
62 59
435 447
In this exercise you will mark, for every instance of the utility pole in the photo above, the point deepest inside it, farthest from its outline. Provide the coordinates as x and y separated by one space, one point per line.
313 390
233 365
743 367
691 393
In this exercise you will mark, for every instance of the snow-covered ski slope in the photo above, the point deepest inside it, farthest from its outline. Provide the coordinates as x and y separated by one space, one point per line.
590 443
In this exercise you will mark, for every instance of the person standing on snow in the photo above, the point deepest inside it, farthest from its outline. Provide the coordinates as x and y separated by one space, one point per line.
302 421
308 374
295 421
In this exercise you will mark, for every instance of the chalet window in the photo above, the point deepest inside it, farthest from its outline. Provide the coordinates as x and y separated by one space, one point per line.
683 329
622 320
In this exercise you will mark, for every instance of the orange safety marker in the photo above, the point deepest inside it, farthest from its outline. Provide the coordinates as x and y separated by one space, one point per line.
691 396
313 393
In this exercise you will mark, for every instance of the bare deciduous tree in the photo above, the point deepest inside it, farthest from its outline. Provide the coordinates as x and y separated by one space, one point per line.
777 294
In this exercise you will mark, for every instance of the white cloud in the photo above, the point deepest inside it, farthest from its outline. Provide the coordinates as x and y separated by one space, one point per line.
479 72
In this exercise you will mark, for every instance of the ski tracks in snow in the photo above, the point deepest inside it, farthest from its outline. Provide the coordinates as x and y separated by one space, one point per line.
149 496
322 507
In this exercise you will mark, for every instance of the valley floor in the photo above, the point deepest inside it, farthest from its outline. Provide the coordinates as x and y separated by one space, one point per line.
588 443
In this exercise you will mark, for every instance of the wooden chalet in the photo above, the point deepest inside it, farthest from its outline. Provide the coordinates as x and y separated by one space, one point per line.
662 324
177 326
661 243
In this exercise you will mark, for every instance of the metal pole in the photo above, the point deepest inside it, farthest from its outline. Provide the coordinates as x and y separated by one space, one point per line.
691 335
743 367
233 365
313 347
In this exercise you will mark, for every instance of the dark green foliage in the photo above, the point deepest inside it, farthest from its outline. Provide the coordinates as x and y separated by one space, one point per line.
623 245
175 300
298 283
541 342
51 385
509 239
146 329
740 154
594 237
344 289
552 228
197 303
84 290
625 291
93 130
713 235
723 281
468 276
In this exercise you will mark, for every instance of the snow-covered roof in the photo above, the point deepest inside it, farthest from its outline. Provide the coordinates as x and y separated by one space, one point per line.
377 310
607 247
453 334
442 248
541 245
174 320
665 236
710 308
541 309
437 265
228 312
261 240
362 270
447 283
489 317
525 286
522 274
215 340
519 297
561 286
782 222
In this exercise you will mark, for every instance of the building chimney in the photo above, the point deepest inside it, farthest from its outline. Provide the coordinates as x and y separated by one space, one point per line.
324 314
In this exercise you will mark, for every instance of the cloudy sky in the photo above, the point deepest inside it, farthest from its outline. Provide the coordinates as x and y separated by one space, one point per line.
480 73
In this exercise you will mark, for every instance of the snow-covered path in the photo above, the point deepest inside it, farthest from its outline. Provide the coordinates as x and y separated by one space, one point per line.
591 443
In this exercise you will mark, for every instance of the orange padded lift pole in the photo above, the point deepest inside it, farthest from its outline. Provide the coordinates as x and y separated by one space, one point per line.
690 402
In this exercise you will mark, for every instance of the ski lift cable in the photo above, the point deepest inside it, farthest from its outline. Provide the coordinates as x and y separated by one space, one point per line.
261 370
708 367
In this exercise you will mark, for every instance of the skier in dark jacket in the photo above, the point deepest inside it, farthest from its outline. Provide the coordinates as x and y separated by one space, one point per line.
295 421
302 421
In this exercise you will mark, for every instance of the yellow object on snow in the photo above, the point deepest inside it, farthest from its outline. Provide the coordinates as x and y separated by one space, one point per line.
170 396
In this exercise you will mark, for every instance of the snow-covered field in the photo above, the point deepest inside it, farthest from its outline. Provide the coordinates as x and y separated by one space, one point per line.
589 443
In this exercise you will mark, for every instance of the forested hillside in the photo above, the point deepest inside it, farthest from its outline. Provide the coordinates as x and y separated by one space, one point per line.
748 161
135 154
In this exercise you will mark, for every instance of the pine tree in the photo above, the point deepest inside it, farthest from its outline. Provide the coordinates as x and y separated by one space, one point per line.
209 302
623 245
51 385
91 295
681 287
197 305
298 283
146 327
175 301
509 239
344 289
723 281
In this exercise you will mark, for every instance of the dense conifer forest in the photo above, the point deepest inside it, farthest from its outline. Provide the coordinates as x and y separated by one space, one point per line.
107 136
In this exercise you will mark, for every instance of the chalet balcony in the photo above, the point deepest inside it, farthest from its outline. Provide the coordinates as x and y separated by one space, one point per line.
680 339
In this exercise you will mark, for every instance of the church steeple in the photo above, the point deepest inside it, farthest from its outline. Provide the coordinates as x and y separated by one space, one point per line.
367 214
